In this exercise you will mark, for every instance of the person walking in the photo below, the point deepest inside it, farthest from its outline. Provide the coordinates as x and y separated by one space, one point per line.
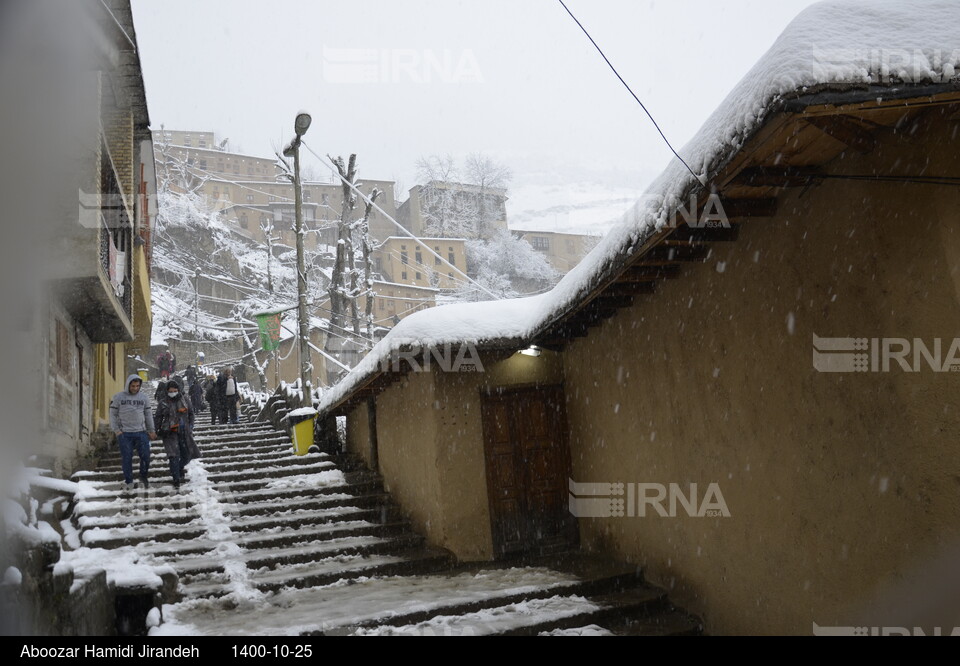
175 418
132 422
161 391
190 375
229 395
163 365
196 397
213 399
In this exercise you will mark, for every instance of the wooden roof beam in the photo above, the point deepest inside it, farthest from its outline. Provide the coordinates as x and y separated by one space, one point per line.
846 131
706 234
776 176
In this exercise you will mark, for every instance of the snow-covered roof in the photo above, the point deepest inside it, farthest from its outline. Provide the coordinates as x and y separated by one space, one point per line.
838 45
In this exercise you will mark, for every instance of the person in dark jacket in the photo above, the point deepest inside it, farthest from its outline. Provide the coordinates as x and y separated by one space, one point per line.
229 395
196 397
190 374
161 391
174 420
210 391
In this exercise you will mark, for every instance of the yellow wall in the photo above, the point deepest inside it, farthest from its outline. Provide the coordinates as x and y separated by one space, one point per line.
390 254
838 485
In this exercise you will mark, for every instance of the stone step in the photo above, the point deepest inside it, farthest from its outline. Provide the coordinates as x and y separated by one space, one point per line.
277 539
115 537
674 622
266 474
272 558
540 611
601 584
639 601
165 510
323 572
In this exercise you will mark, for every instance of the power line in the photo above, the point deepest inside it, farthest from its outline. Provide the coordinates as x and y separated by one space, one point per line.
395 223
649 115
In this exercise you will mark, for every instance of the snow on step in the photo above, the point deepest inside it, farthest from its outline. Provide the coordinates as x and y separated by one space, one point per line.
294 575
212 561
346 604
493 620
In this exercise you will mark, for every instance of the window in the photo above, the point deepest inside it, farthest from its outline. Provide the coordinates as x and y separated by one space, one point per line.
306 195
540 243
450 275
243 220
202 143
452 259
112 359
404 259
203 164
436 260
403 275
417 276
63 347
419 256
249 170
325 199
249 198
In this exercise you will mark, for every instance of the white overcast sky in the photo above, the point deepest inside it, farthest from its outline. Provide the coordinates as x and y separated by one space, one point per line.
521 82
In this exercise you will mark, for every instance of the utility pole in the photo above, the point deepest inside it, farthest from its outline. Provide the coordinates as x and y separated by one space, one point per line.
300 126
196 313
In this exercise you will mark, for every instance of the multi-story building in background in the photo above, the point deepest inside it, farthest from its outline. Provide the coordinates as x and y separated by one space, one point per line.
404 260
562 250
455 210
253 192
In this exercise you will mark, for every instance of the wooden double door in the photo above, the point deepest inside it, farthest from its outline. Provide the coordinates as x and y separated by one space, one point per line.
528 467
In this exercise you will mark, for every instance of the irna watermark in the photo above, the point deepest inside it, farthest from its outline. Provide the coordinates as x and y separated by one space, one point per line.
616 500
885 354
423 358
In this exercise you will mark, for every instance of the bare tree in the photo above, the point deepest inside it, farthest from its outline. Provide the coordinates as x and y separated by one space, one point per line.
338 292
367 247
462 202
492 178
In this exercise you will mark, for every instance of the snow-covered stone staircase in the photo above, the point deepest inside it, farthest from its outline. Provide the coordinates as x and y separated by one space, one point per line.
266 542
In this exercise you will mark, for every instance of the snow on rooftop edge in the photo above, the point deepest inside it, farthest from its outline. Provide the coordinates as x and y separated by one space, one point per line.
874 42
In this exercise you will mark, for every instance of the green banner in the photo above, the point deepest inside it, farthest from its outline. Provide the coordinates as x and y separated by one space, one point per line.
269 325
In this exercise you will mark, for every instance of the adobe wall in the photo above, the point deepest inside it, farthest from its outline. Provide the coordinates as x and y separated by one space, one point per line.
840 486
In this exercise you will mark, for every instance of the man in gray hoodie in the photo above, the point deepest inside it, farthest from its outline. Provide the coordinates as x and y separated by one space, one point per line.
131 418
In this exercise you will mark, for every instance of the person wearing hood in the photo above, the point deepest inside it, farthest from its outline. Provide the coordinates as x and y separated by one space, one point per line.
174 419
161 391
132 422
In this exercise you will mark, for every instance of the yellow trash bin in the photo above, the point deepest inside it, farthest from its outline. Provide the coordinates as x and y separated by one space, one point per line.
303 434
143 374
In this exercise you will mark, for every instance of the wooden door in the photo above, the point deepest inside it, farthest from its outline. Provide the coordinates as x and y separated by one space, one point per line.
528 465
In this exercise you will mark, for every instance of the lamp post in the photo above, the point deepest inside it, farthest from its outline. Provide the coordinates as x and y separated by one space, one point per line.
300 126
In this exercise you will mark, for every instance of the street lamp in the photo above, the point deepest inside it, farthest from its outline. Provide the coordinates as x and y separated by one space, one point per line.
300 126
